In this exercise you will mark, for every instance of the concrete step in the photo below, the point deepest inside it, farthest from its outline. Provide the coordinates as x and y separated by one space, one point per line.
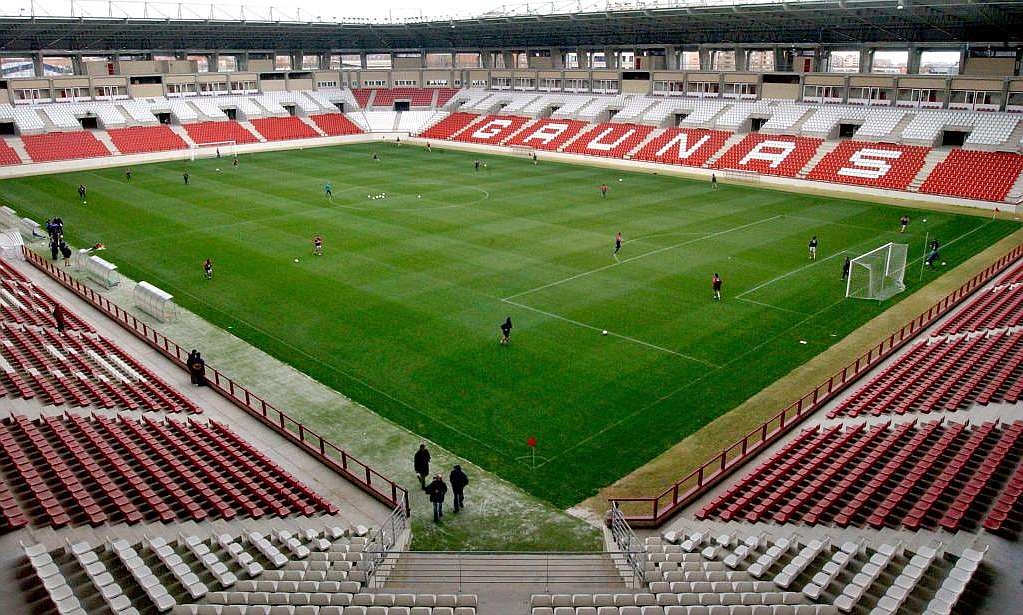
825 148
248 126
729 143
308 122
103 137
16 144
179 130
932 160
650 137
504 582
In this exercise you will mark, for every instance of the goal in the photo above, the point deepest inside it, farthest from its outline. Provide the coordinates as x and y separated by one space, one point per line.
226 149
878 274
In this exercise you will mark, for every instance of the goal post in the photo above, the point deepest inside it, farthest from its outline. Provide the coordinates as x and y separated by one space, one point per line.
878 274
226 149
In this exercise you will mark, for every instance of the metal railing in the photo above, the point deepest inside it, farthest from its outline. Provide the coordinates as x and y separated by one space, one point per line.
628 544
337 459
458 569
652 511
391 537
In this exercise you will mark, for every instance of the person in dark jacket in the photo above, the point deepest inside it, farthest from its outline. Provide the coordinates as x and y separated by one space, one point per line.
421 464
197 368
458 483
58 318
436 491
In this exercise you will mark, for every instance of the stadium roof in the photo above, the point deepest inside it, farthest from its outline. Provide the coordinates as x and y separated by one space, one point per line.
831 22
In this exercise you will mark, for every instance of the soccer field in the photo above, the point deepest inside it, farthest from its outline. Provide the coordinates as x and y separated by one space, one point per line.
402 311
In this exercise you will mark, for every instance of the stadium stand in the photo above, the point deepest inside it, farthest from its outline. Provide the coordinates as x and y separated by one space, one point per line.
769 154
547 134
685 146
143 470
947 374
492 129
447 127
926 476
218 132
611 140
986 176
335 124
283 128
997 308
52 146
879 165
141 139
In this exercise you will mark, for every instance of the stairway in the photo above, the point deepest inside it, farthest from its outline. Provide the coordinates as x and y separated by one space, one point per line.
103 137
503 581
655 133
179 130
896 132
1015 193
931 160
19 147
729 143
248 126
528 125
308 122
468 127
585 130
823 150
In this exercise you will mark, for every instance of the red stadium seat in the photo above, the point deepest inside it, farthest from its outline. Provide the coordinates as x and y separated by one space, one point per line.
610 140
685 146
985 176
53 146
8 155
878 165
218 132
769 154
140 139
283 128
335 124
547 134
448 126
493 129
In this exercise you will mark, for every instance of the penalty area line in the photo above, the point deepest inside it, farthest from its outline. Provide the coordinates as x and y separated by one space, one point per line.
639 256
626 338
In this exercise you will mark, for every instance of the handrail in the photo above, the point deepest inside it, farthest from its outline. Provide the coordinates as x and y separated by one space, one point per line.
652 511
337 459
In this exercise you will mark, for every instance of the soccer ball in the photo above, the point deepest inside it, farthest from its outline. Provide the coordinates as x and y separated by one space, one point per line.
219 171
296 260
924 220
620 179
943 263
604 332
419 196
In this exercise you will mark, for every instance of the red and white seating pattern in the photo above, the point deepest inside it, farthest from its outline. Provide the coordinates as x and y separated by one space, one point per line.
141 139
769 154
1013 276
935 474
492 130
547 134
283 128
335 124
685 146
8 155
986 176
74 470
612 140
946 375
81 371
25 303
219 132
878 165
53 146
448 126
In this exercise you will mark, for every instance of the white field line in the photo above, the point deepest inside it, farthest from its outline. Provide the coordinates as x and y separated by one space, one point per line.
787 274
691 383
773 307
609 332
639 256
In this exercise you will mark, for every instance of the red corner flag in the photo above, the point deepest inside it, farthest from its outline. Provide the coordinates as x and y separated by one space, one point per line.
531 442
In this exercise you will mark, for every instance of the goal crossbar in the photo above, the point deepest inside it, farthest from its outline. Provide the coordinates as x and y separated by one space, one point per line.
212 149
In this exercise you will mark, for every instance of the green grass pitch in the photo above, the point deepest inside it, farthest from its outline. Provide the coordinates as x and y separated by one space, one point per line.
402 311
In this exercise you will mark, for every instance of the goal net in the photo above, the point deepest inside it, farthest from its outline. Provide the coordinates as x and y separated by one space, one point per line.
878 274
225 149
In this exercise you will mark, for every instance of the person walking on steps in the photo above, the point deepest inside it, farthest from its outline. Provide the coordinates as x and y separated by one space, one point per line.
421 464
